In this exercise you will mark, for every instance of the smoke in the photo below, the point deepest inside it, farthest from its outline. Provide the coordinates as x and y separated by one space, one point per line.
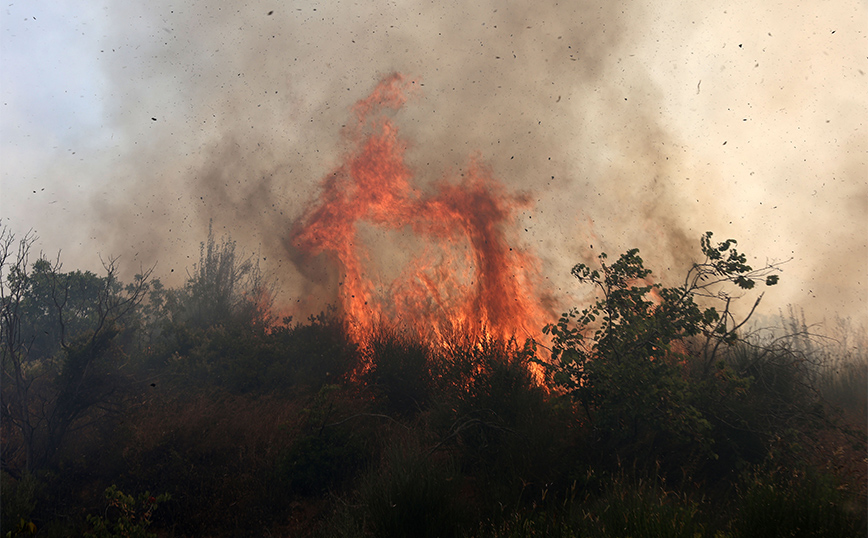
628 125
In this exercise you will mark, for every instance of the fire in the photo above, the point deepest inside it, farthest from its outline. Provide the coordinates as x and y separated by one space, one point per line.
457 270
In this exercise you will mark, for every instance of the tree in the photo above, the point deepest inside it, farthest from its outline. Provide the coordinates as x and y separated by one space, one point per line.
224 288
59 353
621 358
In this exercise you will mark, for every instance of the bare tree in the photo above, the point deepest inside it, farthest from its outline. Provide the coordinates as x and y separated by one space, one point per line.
18 377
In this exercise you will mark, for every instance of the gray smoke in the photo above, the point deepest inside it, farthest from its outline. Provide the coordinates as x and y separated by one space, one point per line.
630 124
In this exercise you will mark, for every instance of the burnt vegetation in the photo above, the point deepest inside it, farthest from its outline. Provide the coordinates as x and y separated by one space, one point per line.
133 409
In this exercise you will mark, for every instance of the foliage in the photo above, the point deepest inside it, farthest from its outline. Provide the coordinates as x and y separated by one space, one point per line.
257 427
317 353
244 360
23 528
834 364
58 346
794 385
216 454
492 416
19 501
56 305
621 358
224 288
326 456
125 516
318 462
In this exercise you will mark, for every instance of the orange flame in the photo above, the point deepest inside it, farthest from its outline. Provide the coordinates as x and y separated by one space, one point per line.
467 277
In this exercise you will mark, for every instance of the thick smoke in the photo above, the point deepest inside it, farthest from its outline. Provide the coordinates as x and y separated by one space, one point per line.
629 124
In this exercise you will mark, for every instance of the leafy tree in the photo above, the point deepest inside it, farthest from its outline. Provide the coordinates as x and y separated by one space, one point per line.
216 319
58 347
621 358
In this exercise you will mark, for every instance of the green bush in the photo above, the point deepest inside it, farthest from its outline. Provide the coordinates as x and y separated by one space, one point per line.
243 360
125 516
316 353
623 358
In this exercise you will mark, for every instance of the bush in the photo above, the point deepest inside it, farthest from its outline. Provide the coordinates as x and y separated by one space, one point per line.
216 455
623 358
317 353
316 463
398 371
491 414
412 495
19 501
244 360
125 517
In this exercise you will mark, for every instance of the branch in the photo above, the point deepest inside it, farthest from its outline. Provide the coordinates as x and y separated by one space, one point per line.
374 415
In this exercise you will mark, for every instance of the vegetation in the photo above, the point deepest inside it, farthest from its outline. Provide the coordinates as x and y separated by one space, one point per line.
131 516
653 411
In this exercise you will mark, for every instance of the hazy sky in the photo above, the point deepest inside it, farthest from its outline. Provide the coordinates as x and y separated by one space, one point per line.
126 127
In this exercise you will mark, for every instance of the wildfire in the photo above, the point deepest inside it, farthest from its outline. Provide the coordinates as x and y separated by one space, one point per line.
458 271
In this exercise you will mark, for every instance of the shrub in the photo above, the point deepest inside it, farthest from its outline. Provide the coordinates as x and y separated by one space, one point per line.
316 353
216 455
398 371
316 463
125 517
242 359
412 495
19 501
622 359
492 415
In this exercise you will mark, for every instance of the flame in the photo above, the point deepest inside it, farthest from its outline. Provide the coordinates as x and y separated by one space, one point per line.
457 271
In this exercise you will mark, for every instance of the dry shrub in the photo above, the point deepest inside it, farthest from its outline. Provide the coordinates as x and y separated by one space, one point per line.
214 454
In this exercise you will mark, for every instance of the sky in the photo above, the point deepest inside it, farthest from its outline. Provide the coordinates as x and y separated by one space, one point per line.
126 129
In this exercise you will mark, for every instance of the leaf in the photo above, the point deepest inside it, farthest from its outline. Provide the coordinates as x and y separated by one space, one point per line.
744 283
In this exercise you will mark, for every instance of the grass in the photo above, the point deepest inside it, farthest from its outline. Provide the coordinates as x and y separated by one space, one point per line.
786 502
624 506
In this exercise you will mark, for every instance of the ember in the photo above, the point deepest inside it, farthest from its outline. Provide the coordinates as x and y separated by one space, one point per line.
458 270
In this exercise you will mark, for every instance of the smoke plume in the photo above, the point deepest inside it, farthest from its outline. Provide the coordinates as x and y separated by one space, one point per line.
625 124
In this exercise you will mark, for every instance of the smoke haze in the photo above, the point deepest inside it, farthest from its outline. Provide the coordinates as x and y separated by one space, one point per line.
633 124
